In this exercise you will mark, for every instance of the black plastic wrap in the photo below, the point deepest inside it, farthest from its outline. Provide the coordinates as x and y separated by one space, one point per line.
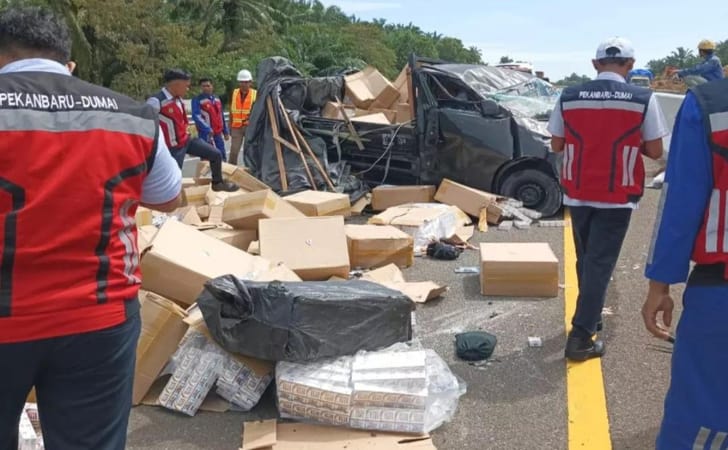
304 321
279 79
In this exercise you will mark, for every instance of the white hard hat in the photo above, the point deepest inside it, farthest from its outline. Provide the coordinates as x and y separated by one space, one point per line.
244 75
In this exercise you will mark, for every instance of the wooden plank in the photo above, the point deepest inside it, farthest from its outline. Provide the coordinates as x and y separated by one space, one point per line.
279 151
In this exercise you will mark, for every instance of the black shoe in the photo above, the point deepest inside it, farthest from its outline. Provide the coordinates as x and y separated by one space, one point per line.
581 349
600 326
225 186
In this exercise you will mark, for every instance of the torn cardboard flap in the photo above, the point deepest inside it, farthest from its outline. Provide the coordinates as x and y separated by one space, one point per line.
419 292
181 259
270 435
358 207
145 235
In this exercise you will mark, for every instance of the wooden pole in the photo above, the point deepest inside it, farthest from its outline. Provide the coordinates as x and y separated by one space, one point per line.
297 144
279 151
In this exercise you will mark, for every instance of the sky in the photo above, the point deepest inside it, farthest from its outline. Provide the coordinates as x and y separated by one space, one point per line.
558 36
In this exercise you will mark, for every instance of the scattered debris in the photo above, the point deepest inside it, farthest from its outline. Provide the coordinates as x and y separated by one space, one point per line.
521 224
506 225
535 342
552 223
469 269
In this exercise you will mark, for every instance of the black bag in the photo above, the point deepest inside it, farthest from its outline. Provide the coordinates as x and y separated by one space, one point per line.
303 321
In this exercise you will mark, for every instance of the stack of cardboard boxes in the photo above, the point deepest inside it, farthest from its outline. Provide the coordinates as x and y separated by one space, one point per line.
372 98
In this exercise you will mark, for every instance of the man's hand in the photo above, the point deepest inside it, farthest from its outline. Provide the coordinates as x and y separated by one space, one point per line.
658 300
226 137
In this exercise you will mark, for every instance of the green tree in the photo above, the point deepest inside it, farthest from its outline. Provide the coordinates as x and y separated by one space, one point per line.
505 60
573 80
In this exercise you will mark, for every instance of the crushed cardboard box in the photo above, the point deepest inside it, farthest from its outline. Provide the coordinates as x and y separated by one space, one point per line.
243 211
214 198
271 435
372 246
320 203
195 195
401 83
332 110
377 118
163 327
523 269
470 200
181 259
313 247
384 197
235 174
418 291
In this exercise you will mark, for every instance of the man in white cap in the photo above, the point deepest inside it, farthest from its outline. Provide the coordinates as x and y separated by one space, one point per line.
240 106
602 127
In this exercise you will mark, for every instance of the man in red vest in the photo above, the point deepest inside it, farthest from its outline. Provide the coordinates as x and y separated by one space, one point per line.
173 120
75 162
602 127
692 225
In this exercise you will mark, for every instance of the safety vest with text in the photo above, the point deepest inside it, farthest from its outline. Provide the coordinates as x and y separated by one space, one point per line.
173 120
711 244
240 108
602 158
69 261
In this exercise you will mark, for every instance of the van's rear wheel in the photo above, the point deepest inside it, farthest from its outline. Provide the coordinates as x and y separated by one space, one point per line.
537 190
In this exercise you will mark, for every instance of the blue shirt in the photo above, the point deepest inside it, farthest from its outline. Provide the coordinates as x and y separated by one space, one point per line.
202 125
685 196
710 69
163 183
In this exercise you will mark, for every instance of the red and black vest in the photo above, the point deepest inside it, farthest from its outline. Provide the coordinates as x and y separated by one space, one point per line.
73 157
173 120
211 112
602 157
711 244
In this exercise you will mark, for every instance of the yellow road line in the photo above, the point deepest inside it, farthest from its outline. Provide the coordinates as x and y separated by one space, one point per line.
586 399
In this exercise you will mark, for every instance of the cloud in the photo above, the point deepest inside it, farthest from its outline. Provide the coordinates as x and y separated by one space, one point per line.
354 7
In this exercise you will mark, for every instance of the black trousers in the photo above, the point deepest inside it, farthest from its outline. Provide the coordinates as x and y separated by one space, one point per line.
83 385
203 150
598 237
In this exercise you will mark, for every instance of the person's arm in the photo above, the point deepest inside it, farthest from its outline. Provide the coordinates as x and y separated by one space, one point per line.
701 69
556 128
162 188
200 123
154 102
654 128
685 194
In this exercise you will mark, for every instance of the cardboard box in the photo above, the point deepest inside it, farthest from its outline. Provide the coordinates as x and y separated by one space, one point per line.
254 248
181 259
390 114
313 247
518 270
214 198
401 83
243 211
403 113
358 207
384 197
143 216
203 211
187 215
378 118
369 88
188 182
270 435
195 195
331 111
162 330
240 239
145 235
372 246
321 203
245 180
466 198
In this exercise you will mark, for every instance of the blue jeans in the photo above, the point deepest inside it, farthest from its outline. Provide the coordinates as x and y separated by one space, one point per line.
696 405
83 386
218 140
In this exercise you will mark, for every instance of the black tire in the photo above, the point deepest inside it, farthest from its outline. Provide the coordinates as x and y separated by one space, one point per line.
536 189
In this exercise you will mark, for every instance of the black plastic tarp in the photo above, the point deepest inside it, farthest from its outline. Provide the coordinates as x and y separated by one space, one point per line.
303 321
278 80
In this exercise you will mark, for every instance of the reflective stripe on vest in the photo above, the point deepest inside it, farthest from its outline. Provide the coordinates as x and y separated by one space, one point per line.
711 245
602 124
113 146
240 111
211 112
